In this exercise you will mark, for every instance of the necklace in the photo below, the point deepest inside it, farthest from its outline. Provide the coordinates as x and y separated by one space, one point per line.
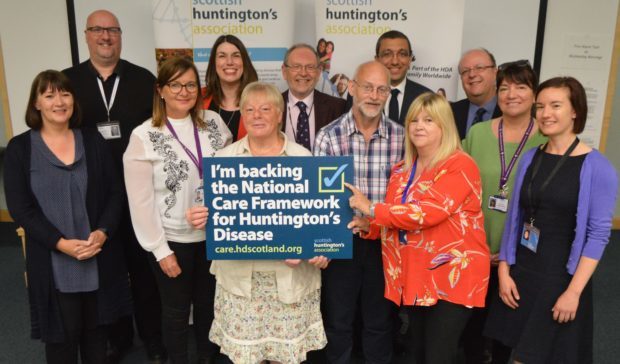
232 115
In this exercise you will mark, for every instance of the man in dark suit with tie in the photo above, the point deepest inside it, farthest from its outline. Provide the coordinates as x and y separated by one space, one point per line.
393 50
478 70
307 110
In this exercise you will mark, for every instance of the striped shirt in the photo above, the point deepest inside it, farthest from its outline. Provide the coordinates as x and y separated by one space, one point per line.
373 161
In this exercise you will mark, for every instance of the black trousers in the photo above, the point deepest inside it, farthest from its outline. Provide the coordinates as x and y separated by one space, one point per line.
145 295
474 343
82 334
195 285
347 283
436 331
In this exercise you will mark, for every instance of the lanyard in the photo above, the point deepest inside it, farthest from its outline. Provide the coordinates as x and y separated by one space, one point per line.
108 107
191 155
505 172
406 190
402 234
290 118
534 204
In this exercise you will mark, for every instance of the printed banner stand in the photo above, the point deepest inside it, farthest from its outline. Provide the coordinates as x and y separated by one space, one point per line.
278 208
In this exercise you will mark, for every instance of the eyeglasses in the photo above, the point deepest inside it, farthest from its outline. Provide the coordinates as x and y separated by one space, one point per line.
310 68
114 31
176 87
523 63
476 69
368 89
401 54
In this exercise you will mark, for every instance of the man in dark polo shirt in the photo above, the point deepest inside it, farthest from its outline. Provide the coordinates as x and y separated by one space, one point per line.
115 97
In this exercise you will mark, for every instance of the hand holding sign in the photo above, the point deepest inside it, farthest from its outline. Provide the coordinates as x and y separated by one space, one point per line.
358 201
320 262
197 216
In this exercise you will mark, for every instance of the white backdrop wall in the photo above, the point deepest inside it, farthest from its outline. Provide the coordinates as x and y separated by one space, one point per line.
35 34
506 28
34 37
580 44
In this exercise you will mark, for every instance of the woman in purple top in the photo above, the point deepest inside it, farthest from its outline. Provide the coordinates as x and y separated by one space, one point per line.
557 228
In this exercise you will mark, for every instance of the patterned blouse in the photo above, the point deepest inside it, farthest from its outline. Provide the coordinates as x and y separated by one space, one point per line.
162 181
445 255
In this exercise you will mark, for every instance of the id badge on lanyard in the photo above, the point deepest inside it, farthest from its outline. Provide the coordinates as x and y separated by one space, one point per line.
530 236
109 129
499 202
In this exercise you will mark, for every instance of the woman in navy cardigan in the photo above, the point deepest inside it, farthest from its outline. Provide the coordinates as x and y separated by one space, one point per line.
557 227
62 188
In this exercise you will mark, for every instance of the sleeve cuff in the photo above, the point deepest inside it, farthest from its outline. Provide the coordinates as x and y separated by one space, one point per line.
162 251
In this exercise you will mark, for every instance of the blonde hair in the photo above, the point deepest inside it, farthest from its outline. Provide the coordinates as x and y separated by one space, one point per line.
438 108
272 94
169 71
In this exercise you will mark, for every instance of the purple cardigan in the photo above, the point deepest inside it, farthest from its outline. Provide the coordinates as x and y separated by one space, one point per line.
595 209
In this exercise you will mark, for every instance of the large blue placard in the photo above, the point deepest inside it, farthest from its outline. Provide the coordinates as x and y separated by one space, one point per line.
278 207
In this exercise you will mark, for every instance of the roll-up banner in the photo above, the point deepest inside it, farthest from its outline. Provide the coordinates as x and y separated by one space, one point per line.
434 27
190 27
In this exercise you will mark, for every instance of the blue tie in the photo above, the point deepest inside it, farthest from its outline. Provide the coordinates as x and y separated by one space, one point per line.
479 115
302 136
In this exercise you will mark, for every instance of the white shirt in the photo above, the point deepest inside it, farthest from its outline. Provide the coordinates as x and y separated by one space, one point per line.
401 95
161 179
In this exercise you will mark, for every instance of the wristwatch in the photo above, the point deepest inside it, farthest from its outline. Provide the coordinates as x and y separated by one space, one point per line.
372 210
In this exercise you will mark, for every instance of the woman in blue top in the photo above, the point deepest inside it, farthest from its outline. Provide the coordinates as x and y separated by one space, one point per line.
557 228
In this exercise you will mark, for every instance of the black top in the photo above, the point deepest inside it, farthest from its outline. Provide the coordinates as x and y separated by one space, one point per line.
541 277
555 215
230 118
104 195
132 106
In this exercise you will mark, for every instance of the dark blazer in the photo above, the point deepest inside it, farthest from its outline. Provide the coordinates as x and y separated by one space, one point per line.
104 198
412 90
326 109
460 109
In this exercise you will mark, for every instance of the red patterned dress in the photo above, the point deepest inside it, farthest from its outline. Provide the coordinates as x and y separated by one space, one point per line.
445 256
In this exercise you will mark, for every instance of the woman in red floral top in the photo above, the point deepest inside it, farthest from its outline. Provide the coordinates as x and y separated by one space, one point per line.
435 256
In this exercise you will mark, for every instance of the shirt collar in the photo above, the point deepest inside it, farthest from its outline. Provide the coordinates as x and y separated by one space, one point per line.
351 128
489 106
308 100
245 145
118 69
401 86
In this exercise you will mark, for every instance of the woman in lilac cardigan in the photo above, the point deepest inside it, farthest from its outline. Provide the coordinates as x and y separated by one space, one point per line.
557 227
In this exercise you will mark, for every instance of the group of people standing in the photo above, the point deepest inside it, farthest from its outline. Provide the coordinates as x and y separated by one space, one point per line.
443 228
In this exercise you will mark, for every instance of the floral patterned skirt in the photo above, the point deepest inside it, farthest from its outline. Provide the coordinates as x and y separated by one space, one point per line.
263 328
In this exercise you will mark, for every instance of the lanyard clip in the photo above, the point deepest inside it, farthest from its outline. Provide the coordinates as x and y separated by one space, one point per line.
503 191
